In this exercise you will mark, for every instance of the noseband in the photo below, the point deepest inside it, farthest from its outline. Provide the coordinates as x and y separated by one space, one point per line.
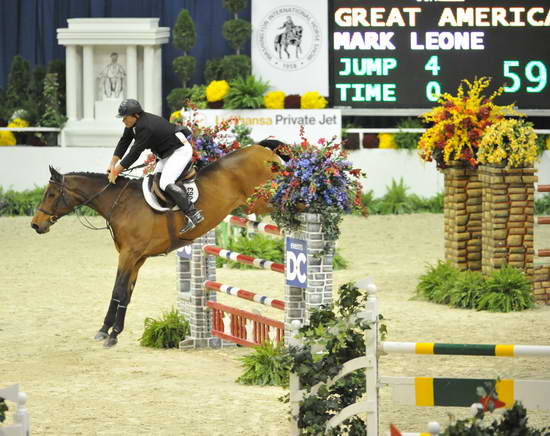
53 217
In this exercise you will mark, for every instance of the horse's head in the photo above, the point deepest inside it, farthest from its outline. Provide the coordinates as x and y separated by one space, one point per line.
55 203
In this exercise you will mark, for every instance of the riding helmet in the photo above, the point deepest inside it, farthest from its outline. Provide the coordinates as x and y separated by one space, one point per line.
129 106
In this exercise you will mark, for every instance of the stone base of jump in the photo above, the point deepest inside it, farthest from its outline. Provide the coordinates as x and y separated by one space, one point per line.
192 343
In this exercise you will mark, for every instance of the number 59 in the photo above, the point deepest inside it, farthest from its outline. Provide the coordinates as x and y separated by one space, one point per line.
535 72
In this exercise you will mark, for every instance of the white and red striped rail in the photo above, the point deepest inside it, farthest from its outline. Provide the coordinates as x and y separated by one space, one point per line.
243 258
245 295
256 226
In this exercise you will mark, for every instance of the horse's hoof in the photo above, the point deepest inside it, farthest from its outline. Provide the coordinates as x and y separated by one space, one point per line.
100 336
110 342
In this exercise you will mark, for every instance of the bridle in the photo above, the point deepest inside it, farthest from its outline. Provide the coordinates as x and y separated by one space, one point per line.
53 217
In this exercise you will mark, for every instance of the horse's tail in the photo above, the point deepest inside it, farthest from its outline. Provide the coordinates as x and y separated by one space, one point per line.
275 146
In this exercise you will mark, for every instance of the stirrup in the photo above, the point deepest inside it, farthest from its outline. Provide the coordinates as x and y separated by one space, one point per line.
189 225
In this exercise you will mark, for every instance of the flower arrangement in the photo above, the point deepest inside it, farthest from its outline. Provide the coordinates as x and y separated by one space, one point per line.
511 142
274 100
317 178
312 100
216 90
460 122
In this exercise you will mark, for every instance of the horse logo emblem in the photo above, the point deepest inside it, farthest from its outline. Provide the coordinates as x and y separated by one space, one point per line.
289 38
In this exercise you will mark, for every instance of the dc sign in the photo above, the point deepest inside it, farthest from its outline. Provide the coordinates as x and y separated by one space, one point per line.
296 263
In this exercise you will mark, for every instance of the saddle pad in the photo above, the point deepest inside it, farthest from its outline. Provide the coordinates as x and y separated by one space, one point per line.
151 199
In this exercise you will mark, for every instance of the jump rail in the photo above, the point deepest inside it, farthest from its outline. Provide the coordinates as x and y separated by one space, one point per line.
244 258
307 285
423 391
254 225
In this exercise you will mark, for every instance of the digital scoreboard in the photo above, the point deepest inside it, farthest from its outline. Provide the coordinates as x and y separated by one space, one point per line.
396 54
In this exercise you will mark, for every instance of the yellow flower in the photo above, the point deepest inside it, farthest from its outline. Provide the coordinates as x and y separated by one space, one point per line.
18 123
175 117
510 141
386 140
274 100
459 123
217 90
7 138
312 100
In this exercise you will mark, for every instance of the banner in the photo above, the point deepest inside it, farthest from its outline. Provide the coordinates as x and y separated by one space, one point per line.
290 44
283 124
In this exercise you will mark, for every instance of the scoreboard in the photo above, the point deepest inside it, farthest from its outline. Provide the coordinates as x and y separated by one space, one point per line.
398 54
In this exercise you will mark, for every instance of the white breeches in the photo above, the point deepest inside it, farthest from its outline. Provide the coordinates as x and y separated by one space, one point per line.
173 165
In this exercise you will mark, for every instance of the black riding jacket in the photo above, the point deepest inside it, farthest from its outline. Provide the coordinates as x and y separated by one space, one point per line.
150 132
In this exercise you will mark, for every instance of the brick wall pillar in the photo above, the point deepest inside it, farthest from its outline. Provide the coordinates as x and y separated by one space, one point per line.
508 208
462 217
300 302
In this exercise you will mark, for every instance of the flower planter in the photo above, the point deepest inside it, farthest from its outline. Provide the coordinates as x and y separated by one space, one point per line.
508 207
462 216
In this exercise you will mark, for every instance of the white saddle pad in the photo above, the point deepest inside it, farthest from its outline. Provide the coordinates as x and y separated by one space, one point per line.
151 199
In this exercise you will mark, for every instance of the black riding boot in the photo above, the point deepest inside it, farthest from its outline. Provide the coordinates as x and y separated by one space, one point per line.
179 196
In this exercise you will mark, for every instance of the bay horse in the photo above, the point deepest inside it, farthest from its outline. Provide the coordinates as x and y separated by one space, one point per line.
139 231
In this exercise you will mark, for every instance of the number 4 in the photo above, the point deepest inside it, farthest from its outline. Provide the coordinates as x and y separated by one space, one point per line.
433 65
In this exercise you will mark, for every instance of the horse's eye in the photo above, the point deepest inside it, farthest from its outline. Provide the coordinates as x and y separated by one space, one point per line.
50 195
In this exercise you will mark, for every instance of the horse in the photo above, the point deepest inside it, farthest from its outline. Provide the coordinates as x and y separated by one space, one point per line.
140 232
292 37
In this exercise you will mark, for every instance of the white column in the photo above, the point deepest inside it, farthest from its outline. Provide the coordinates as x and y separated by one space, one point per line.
157 84
131 72
73 85
88 81
148 78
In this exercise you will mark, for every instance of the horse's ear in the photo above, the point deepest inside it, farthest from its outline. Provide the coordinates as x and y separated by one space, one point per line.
55 175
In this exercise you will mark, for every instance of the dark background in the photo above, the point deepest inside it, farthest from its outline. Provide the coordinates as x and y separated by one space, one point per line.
28 28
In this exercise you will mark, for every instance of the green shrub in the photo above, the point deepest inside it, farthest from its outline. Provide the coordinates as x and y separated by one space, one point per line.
16 203
513 421
177 97
3 409
542 205
233 66
436 284
396 200
507 289
213 70
467 289
166 332
268 365
541 144
184 67
237 32
245 93
53 115
407 140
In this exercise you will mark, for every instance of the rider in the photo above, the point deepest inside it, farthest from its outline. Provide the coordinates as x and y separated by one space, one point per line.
172 149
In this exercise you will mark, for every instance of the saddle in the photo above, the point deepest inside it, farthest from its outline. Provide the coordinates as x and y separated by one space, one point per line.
155 197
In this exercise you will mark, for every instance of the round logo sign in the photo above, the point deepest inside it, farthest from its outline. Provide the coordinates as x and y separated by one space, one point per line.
289 38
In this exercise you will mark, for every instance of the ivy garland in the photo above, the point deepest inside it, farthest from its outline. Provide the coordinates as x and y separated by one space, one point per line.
341 335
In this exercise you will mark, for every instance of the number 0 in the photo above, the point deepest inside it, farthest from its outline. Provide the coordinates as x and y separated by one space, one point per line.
433 91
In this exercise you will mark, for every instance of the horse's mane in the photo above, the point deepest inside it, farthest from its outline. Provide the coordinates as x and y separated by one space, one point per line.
102 176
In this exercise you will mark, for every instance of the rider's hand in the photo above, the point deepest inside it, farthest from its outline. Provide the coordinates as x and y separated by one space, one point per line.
115 171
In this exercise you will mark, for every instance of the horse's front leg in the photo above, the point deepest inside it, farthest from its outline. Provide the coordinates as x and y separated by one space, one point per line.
122 293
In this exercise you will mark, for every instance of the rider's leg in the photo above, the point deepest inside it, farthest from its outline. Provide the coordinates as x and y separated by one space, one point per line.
173 167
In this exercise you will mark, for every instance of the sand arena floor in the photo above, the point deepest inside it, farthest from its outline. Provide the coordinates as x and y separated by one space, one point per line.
55 288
